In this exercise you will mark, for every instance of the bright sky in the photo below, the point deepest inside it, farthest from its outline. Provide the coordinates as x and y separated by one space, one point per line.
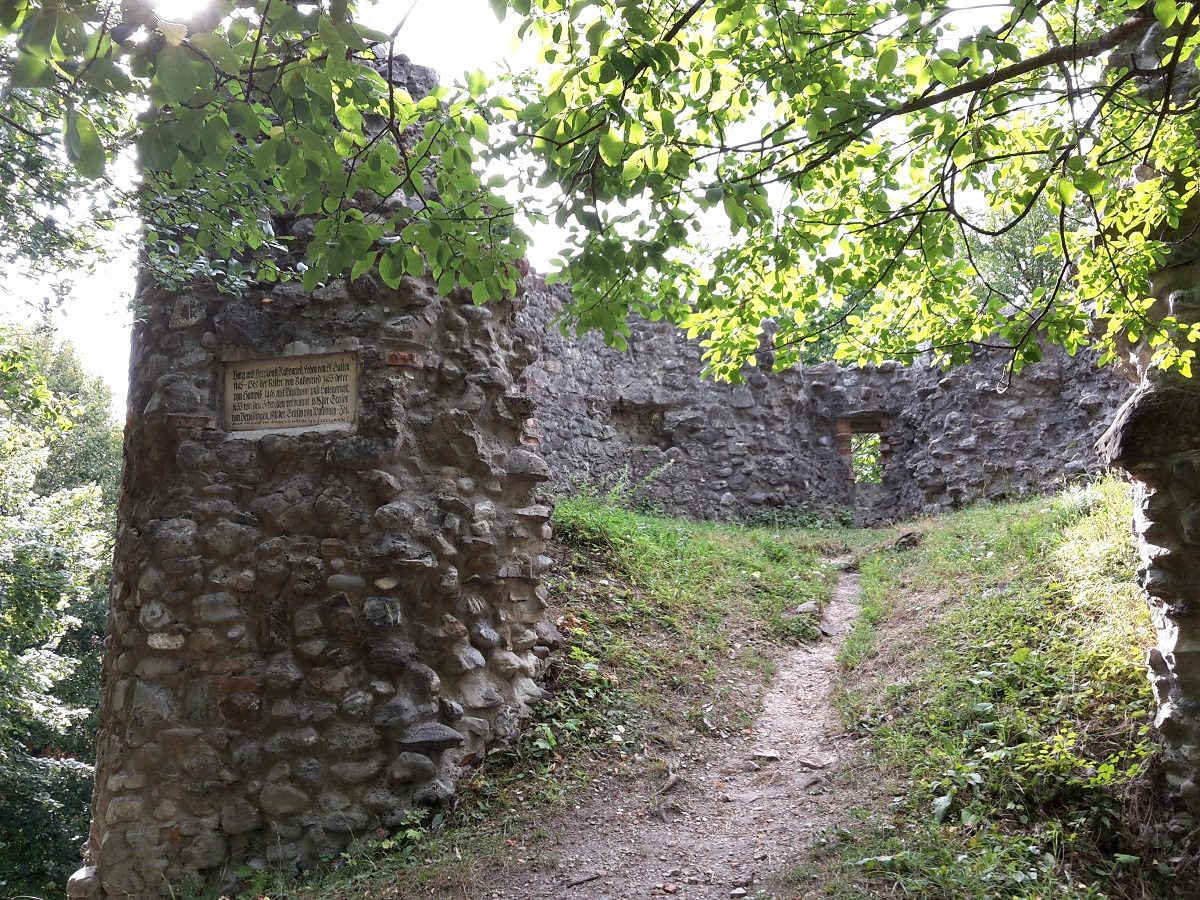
452 36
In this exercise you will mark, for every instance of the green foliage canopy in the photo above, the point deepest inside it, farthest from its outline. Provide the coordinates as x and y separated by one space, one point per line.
48 557
51 545
726 161
258 110
55 540
51 215
25 396
89 452
821 163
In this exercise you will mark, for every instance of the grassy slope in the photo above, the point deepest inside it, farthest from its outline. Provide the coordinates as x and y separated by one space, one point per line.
672 627
1017 730
995 673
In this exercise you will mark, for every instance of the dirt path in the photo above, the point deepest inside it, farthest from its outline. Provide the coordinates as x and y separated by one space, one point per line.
725 818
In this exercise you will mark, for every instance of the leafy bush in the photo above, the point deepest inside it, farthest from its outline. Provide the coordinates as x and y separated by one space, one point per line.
45 805
806 518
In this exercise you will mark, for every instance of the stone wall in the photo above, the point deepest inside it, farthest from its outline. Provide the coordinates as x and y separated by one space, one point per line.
781 440
312 628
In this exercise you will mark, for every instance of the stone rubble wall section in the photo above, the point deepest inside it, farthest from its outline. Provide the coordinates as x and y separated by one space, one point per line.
719 450
1155 440
646 418
312 631
972 433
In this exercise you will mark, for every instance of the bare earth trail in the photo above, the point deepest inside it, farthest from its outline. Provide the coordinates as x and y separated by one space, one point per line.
724 818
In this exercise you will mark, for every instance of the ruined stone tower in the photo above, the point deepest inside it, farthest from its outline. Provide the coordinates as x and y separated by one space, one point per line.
325 596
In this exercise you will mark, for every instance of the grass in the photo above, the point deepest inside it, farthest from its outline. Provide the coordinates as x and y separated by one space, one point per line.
994 676
997 673
672 629
681 614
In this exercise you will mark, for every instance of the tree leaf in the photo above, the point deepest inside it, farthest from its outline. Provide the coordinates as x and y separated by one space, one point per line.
243 119
350 117
30 71
219 52
37 37
363 265
373 35
173 33
477 82
176 74
83 145
612 149
943 71
329 35
157 149
106 75
1089 181
886 64
1166 11
391 267
71 34
414 262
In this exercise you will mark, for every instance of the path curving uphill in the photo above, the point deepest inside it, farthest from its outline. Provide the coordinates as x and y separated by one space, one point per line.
723 819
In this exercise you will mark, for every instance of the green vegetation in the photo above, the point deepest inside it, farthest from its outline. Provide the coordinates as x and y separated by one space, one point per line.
671 630
995 675
823 165
997 672
240 110
59 459
866 458
694 579
826 165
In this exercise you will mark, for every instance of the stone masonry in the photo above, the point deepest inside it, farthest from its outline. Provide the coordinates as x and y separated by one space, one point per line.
312 628
1155 440
780 441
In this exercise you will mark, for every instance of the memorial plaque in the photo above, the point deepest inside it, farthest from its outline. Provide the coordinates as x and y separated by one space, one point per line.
291 392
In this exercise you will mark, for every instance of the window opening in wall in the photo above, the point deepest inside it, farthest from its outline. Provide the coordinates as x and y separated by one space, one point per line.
866 458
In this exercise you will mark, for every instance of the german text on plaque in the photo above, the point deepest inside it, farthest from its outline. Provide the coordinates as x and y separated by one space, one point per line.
292 392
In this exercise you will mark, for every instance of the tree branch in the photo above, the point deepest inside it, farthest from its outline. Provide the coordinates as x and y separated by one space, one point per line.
1055 56
262 27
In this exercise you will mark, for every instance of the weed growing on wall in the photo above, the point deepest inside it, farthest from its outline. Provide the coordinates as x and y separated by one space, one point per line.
1014 715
